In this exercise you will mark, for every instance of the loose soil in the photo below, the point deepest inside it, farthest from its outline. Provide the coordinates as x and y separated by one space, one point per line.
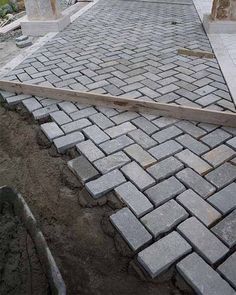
93 259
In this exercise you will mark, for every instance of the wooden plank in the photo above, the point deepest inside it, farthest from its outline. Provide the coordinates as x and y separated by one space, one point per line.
197 53
136 105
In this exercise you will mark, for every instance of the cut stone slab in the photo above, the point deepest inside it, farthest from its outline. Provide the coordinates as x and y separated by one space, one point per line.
164 191
166 134
219 155
90 150
83 169
111 162
44 112
145 125
76 125
95 134
115 145
165 168
191 129
68 141
105 183
198 207
131 229
192 144
202 278
223 175
194 162
138 176
134 199
226 229
51 130
67 107
227 269
164 218
202 240
121 129
31 104
232 142
137 153
162 254
166 149
195 182
142 138
225 199
216 137
60 117
12 100
101 120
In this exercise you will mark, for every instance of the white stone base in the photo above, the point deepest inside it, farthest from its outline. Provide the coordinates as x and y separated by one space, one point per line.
40 28
218 26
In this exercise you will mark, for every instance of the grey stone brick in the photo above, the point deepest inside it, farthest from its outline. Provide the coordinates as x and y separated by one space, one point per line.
164 191
192 144
219 155
116 144
195 182
90 150
194 162
47 101
44 112
165 168
198 207
138 175
166 134
12 100
124 117
68 141
208 99
165 149
111 162
101 120
202 239
83 169
83 113
223 175
227 269
191 129
105 183
202 278
205 90
232 143
76 125
224 200
31 104
226 229
216 137
51 130
95 134
121 129
134 199
142 138
60 117
164 218
68 107
168 88
137 153
145 125
130 228
162 254
164 122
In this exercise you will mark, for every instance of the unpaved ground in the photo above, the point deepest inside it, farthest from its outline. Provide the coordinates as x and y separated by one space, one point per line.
91 261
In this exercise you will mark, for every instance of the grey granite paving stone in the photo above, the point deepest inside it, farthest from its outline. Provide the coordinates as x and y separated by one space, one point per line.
44 112
101 120
164 191
124 117
166 134
162 254
83 113
68 107
68 141
51 130
77 125
165 168
164 122
145 125
83 169
95 134
134 199
191 129
164 218
232 142
116 144
226 229
192 144
60 117
111 162
105 183
227 269
215 138
222 176
137 153
90 150
225 199
166 149
121 129
219 155
194 181
138 176
194 162
202 240
12 100
31 104
202 278
130 228
198 207
142 138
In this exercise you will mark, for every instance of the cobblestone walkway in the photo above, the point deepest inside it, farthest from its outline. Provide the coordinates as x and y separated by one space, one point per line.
177 178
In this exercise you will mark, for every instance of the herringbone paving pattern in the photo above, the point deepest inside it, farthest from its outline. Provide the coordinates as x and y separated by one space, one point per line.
177 178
